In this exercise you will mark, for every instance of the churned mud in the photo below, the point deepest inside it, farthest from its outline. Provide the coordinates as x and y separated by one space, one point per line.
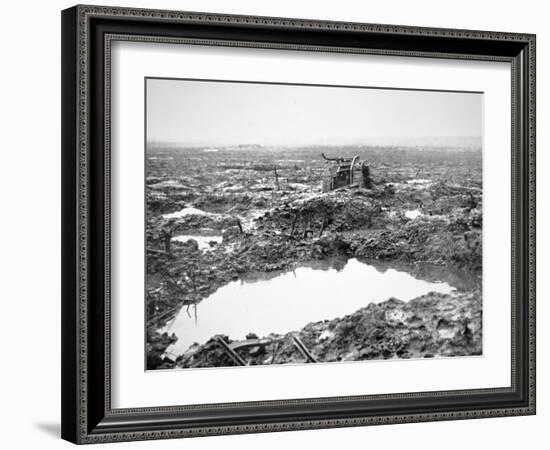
214 217
433 325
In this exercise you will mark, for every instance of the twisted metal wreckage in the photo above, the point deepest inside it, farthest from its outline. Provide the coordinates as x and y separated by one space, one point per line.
346 172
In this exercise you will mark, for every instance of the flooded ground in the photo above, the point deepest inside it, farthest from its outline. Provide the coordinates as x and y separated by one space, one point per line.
413 214
290 300
204 242
248 236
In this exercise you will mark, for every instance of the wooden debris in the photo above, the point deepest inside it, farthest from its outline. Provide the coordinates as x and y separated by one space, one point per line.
232 353
303 349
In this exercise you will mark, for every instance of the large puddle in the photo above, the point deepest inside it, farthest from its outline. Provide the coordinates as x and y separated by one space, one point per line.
283 302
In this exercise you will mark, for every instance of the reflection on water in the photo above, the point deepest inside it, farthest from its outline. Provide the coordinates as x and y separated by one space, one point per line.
203 241
413 213
461 279
190 211
290 300
419 181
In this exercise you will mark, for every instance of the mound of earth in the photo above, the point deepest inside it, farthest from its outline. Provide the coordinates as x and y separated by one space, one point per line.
433 325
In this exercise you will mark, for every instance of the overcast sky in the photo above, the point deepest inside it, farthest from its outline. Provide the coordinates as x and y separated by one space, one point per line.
222 113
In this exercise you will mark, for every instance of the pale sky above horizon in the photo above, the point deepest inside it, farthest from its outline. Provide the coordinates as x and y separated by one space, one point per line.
225 113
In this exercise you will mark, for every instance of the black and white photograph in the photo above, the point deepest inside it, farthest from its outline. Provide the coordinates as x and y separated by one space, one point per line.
302 224
280 220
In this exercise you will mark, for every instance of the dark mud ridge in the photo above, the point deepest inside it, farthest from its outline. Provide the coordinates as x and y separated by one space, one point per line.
433 325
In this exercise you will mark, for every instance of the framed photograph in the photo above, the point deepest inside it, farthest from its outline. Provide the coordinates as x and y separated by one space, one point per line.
281 224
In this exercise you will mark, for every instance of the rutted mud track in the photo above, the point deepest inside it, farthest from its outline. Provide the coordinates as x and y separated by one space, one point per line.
273 220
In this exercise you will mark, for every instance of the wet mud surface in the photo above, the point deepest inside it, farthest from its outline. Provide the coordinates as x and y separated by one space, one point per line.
217 217
433 325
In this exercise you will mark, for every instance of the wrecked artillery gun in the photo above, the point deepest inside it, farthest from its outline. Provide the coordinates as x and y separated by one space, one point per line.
345 172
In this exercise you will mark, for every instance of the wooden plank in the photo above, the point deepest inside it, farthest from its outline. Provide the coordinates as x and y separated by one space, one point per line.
303 349
234 355
251 343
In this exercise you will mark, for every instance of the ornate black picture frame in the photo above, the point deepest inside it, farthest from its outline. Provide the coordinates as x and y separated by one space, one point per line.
87 34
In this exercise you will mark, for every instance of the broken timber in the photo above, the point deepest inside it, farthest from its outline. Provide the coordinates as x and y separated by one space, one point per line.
303 349
232 353
237 359
251 343
230 348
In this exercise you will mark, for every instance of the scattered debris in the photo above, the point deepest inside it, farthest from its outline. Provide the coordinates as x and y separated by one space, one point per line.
271 211
430 326
346 172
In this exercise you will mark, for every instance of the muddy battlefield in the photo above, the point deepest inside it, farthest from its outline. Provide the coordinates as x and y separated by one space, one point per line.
270 255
